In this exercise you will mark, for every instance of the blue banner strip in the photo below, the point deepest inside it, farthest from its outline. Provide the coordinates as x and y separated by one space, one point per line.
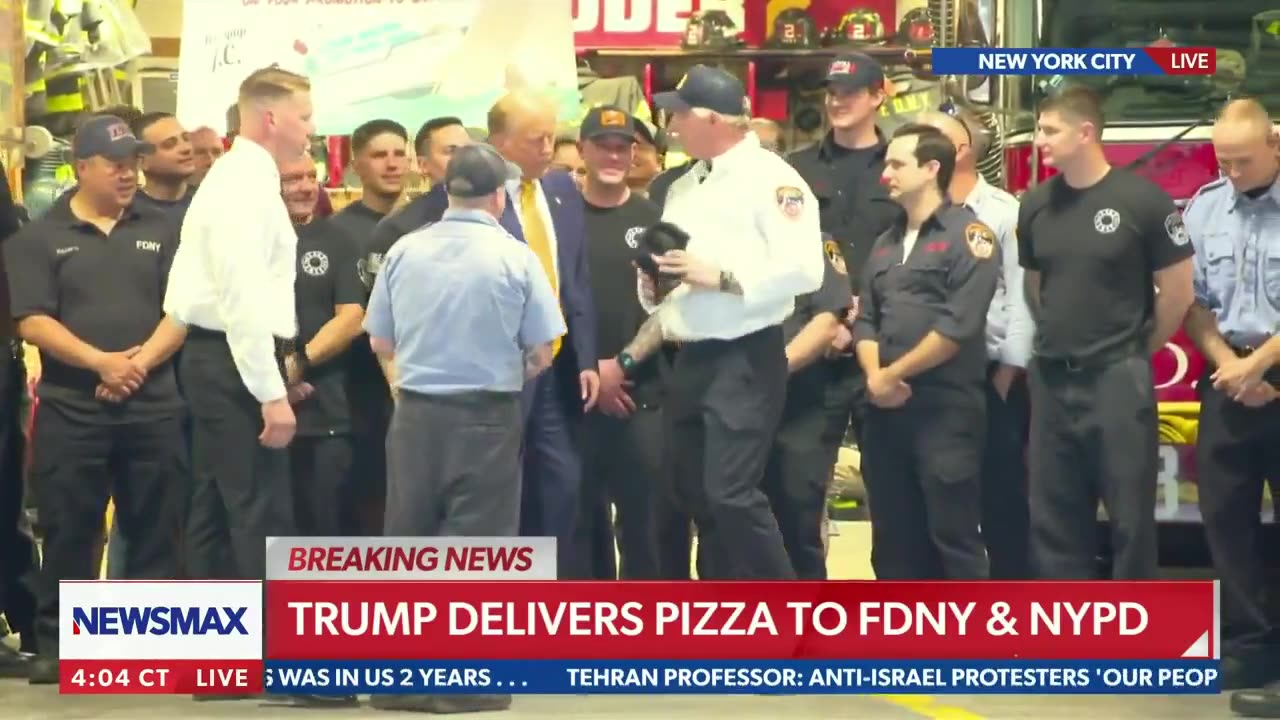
1043 61
754 677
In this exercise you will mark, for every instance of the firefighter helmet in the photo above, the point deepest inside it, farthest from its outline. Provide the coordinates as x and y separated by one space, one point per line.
794 28
710 29
916 29
858 28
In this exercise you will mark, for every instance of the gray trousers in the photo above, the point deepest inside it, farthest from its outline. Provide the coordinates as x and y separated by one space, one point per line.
453 465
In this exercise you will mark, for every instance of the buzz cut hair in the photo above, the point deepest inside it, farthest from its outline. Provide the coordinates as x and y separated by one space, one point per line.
272 83
1077 103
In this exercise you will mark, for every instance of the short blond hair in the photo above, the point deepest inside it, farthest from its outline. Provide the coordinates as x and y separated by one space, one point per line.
272 83
512 105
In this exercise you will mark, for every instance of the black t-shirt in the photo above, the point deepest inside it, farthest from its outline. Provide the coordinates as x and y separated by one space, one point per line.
106 289
612 239
368 392
175 210
327 277
1097 250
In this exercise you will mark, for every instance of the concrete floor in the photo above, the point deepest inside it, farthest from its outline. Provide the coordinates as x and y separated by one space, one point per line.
850 559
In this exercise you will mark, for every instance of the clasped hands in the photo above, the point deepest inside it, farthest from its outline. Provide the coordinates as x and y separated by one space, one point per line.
120 375
1241 378
886 389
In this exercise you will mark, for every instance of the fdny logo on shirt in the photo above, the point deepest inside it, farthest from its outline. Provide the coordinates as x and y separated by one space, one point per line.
1106 221
791 200
315 263
149 245
633 237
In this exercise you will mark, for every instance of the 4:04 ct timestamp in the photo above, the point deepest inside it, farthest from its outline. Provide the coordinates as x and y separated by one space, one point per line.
109 678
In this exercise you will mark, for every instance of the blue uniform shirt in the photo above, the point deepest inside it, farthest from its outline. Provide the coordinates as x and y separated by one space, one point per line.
1010 328
1237 260
462 300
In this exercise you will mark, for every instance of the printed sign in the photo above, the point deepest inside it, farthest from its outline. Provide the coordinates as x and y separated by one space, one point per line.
640 23
403 61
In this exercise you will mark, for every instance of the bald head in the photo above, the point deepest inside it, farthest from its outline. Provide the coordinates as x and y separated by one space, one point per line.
1246 145
522 126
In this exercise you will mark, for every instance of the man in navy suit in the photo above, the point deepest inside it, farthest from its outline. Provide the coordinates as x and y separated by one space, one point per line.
544 210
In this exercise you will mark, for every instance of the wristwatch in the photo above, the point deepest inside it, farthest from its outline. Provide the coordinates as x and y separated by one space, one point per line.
627 363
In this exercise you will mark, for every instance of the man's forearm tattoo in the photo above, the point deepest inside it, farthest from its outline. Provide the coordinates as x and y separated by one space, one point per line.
729 283
647 340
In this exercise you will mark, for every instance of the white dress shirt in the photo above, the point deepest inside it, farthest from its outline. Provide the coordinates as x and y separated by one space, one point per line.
746 217
1010 327
235 267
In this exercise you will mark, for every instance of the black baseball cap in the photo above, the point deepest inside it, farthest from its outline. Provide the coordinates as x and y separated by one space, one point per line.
477 170
855 71
110 137
705 87
655 136
607 120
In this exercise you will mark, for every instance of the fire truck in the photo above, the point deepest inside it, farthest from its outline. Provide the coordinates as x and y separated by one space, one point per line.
1157 126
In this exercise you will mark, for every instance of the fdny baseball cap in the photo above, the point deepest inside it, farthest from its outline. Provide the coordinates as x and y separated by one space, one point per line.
855 71
607 120
477 170
705 87
110 137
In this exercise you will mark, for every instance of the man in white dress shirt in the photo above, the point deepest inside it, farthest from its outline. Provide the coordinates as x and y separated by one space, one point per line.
754 245
232 284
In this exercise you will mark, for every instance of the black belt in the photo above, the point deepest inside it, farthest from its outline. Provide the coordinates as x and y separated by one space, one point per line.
1096 361
284 347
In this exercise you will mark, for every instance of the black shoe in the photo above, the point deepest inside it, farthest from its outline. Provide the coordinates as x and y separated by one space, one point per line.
1246 671
441 704
14 664
43 671
1264 703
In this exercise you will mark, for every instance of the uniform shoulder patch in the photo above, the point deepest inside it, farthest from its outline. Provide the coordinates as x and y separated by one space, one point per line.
831 249
980 239
1176 228
790 200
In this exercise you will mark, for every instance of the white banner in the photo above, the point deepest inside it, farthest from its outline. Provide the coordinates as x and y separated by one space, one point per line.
406 60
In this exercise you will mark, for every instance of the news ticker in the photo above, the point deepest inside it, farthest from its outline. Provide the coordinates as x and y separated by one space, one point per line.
638 677
337 614
1075 61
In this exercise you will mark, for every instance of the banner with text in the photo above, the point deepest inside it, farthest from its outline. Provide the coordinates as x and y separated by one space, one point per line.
406 61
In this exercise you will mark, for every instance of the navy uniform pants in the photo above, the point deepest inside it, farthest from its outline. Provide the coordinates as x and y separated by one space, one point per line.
723 404
1093 437
1006 519
18 560
623 469
921 464
77 466
552 467
1236 452
241 491
323 498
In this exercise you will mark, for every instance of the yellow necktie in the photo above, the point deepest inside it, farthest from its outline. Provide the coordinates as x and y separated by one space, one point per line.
535 234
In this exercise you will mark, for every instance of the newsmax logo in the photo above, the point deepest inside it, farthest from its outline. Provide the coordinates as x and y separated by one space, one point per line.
125 620
158 620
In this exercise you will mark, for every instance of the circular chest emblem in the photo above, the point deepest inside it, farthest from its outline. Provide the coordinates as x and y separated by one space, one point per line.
633 237
1176 230
1106 221
315 263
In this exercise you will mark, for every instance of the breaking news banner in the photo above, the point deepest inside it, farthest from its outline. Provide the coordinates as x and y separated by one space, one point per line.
369 616
1075 61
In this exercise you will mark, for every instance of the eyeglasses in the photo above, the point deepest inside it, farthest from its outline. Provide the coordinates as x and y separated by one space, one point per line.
951 109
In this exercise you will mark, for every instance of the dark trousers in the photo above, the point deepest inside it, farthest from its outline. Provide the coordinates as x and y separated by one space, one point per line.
725 399
1093 437
79 465
796 480
1006 514
921 464
18 560
369 466
622 468
323 504
241 491
453 465
552 467
1237 449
